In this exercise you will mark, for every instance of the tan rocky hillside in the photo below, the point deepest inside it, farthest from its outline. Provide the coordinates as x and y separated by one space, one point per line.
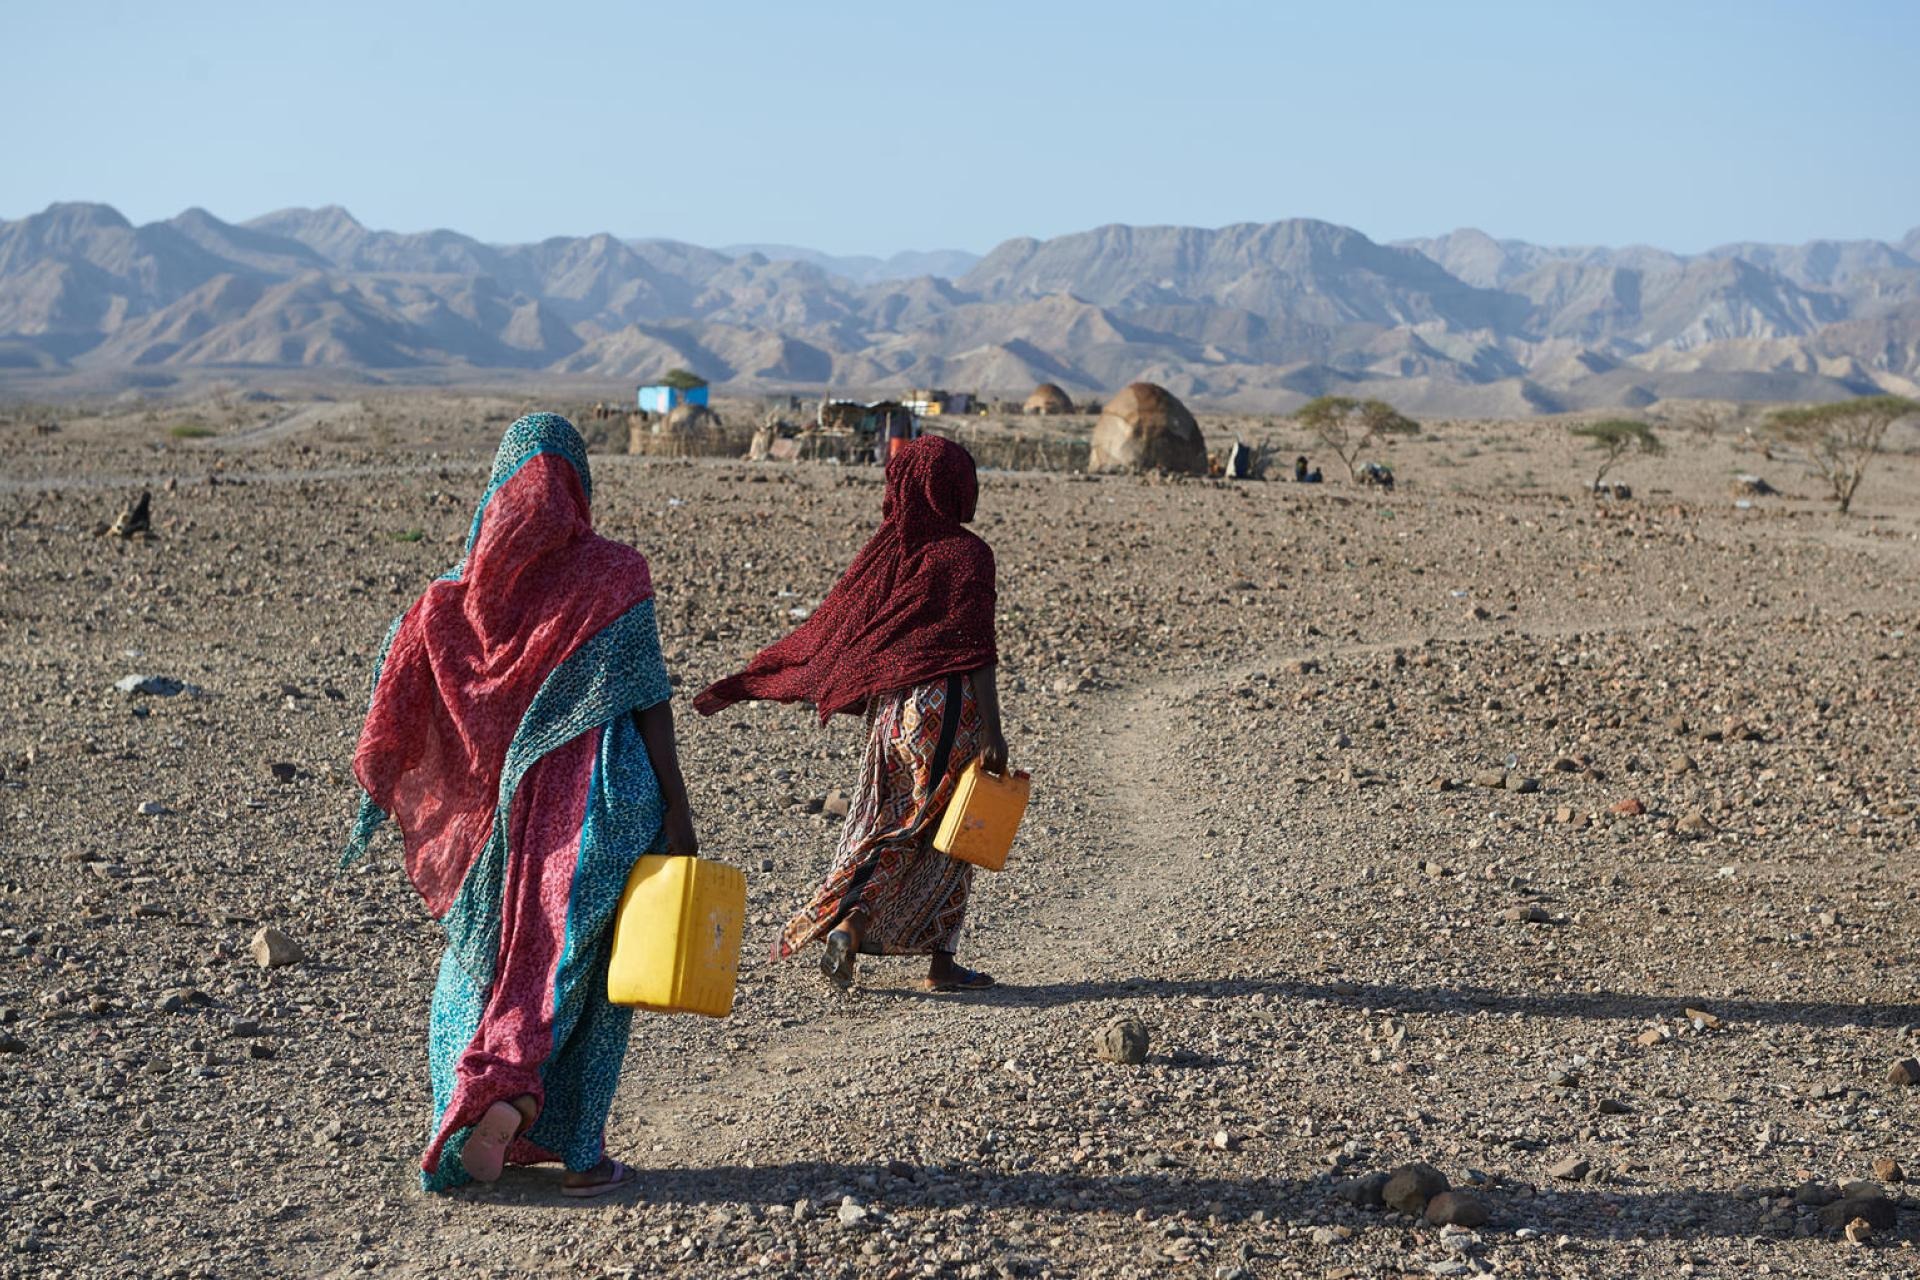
1254 316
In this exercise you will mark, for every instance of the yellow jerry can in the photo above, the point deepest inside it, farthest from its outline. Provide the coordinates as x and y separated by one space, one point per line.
982 816
676 936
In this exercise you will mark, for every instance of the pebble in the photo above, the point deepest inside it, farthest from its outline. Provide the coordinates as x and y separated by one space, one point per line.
1410 1186
1367 1191
153 809
1457 1209
273 949
1887 1169
1905 1073
1123 1040
1569 1169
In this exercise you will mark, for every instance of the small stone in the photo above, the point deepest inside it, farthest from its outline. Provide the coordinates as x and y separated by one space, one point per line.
1887 1169
12 1044
1814 1194
273 949
1652 1037
1530 914
802 1209
1905 1073
766 864
282 771
1410 1186
1703 1020
1526 786
1570 1169
1368 1191
1681 764
243 1028
1614 1107
1693 824
1878 1212
1123 1040
852 1213
1492 779
153 809
836 805
1631 807
260 1050
1457 1209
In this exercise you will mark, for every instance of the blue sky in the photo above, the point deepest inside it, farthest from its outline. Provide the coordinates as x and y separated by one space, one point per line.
857 127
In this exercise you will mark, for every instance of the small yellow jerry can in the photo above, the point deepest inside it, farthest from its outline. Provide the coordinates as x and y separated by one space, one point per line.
676 936
982 816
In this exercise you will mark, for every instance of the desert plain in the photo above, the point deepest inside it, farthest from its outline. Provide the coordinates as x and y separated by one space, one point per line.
1564 845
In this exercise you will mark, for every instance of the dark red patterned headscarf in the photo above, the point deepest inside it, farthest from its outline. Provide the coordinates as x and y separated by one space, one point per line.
915 604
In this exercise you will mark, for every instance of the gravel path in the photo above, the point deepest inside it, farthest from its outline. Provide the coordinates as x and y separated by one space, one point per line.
1275 821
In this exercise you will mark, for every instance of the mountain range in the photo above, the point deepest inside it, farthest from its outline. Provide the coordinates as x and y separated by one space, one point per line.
1255 316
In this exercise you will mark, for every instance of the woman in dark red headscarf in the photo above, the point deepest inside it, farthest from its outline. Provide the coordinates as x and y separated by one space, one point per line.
905 637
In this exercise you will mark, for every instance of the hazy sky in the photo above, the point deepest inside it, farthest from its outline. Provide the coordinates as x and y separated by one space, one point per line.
856 127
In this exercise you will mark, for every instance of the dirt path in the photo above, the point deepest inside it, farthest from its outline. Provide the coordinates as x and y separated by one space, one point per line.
303 419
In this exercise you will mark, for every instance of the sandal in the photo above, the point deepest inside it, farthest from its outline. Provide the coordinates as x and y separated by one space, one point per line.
484 1153
618 1176
836 961
961 979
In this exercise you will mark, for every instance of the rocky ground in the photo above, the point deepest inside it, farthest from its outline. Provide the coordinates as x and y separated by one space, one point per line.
1564 848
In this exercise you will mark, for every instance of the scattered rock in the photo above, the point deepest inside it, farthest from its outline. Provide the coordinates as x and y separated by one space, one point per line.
1614 1107
1492 779
1631 807
1457 1209
1528 914
282 771
1569 1169
12 1044
273 949
1879 1213
837 804
153 809
1367 1191
1887 1169
1526 786
1409 1187
1905 1073
1122 1040
150 686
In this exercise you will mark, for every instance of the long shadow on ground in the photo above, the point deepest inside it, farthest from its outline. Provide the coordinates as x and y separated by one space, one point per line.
1586 1213
1612 1005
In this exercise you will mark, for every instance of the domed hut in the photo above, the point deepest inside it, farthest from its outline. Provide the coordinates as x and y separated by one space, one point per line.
686 419
1145 428
1048 400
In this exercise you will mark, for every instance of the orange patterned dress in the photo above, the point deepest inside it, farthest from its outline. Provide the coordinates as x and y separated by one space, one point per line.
915 897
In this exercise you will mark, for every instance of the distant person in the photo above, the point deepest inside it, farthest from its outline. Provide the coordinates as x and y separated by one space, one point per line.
1377 474
906 638
521 738
1300 473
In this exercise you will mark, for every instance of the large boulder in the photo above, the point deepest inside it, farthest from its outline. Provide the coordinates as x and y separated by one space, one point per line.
1048 401
1145 428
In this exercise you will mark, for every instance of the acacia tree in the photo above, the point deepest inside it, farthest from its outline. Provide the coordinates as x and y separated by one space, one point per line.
1348 426
1615 439
1841 439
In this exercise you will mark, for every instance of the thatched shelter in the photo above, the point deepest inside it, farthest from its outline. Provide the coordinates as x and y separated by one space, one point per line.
1145 428
686 419
1048 400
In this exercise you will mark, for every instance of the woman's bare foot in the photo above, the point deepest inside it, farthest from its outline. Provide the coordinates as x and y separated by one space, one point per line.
484 1155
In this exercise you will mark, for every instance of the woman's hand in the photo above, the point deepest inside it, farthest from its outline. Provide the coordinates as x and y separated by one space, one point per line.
677 829
993 756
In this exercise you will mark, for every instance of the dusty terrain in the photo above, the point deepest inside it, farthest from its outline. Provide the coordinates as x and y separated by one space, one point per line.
1255 715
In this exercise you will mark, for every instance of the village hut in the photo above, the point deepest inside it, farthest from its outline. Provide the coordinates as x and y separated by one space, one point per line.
1047 401
1145 428
686 420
